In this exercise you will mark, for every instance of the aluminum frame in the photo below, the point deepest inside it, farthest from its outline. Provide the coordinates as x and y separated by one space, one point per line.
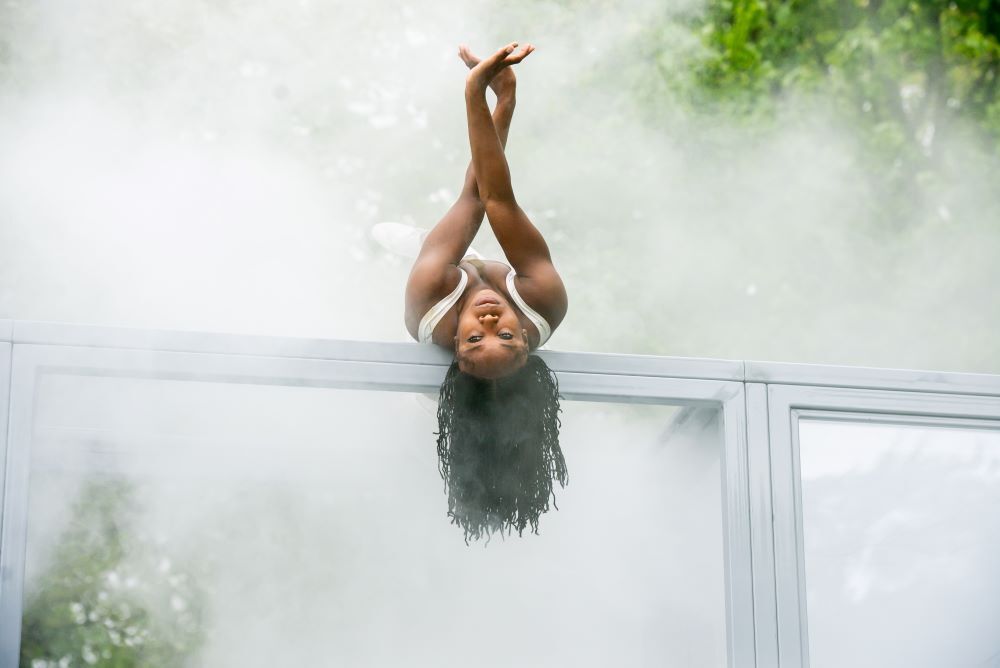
6 351
46 348
760 404
787 404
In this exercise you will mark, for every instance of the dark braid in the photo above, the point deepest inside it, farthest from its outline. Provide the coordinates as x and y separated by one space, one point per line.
498 448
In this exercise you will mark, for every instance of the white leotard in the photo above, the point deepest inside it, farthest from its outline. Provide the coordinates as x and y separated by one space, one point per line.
434 315
544 331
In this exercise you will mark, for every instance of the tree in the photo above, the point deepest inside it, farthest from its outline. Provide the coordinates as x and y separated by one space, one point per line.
906 75
111 596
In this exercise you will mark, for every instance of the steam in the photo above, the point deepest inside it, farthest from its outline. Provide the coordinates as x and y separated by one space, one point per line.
302 520
217 166
209 167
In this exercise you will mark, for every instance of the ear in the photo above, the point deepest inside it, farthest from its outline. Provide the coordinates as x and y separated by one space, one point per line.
455 341
524 335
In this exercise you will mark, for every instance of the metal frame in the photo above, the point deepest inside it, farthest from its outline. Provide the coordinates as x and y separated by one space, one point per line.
787 404
6 353
762 539
760 404
48 348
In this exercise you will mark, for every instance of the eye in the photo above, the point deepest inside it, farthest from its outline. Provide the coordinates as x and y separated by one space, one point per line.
474 338
506 335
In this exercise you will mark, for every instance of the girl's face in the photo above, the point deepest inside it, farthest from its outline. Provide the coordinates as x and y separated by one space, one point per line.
490 342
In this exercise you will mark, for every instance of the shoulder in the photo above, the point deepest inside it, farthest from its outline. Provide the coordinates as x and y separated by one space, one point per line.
544 292
427 285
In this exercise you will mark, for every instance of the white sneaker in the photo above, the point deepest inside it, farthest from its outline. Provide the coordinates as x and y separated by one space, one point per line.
400 239
407 240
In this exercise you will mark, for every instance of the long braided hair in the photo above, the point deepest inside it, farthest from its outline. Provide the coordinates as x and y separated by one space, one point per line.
498 448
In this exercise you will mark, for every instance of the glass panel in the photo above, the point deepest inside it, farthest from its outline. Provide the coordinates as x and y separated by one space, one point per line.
902 531
233 525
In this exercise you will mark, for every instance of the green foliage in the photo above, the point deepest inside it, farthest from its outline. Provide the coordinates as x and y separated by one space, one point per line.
904 76
866 49
111 597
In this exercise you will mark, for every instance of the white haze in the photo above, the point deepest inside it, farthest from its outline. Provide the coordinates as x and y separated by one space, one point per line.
217 166
318 538
899 531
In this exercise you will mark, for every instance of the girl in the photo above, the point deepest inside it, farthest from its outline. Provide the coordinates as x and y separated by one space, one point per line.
498 438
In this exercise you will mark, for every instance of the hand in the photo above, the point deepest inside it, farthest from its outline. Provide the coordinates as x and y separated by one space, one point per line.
503 84
487 69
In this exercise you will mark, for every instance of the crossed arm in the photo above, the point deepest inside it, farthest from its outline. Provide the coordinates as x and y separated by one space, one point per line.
448 241
521 241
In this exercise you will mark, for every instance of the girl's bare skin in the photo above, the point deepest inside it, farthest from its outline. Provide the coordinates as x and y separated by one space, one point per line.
487 331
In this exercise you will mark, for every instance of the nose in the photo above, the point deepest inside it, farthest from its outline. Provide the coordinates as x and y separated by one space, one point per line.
488 318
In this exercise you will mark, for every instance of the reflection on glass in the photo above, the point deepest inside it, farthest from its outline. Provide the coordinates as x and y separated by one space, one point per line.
902 532
239 525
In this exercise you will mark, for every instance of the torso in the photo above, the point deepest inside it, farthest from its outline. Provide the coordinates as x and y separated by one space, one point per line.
482 274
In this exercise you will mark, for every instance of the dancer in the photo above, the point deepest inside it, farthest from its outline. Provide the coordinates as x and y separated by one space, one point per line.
498 424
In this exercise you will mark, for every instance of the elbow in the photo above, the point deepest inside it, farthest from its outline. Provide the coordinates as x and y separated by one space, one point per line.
497 200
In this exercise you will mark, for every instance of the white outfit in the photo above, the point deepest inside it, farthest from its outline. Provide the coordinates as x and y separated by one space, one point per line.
434 315
407 240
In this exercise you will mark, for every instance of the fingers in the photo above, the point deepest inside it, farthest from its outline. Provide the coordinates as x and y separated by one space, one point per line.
514 58
509 55
483 71
470 59
506 54
501 54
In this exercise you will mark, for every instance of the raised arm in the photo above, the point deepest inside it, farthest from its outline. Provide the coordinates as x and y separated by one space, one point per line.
449 240
520 239
537 280
435 273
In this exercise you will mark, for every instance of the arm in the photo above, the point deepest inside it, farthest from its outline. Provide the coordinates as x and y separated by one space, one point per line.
537 279
435 273
520 239
448 241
